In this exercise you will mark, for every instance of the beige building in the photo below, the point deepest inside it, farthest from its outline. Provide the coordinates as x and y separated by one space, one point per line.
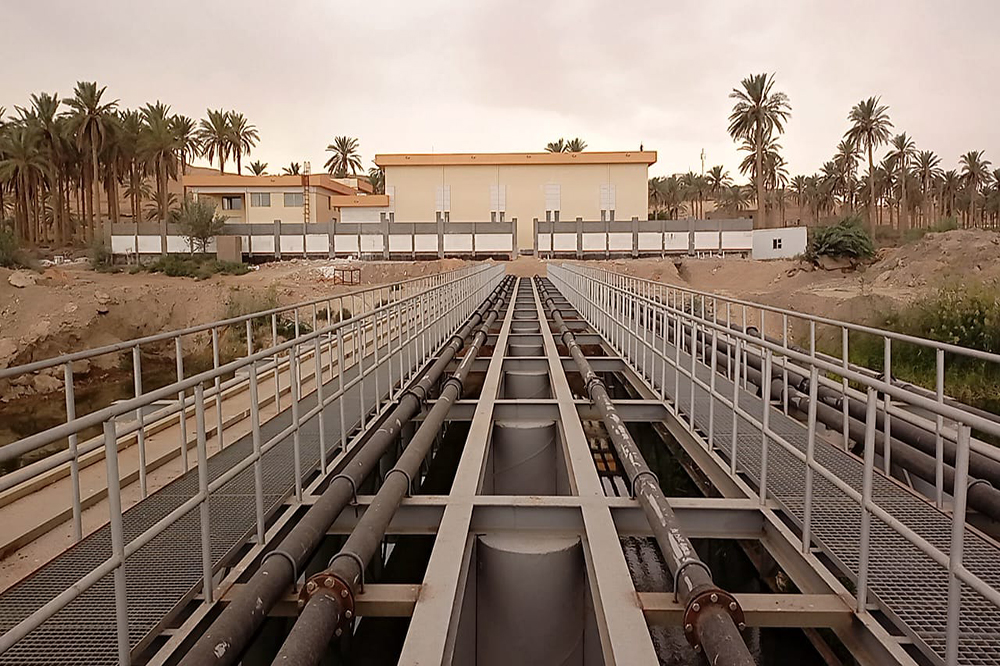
314 198
484 187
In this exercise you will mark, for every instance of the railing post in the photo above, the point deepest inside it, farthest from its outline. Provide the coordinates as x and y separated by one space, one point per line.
203 509
74 463
318 378
957 544
736 405
866 498
258 471
293 367
117 541
276 364
886 404
810 454
765 396
938 426
182 415
218 388
340 387
140 418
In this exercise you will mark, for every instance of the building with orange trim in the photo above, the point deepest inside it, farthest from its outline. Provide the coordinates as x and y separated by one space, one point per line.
483 187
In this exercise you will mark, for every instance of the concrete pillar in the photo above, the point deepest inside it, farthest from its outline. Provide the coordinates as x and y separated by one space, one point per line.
277 239
635 236
579 238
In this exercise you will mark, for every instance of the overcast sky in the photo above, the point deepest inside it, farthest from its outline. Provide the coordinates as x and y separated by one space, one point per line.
474 76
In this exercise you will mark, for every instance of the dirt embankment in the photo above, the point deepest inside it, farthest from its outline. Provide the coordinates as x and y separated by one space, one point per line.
70 308
899 275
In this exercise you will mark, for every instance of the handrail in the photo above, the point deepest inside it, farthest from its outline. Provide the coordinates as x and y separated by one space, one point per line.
33 442
198 328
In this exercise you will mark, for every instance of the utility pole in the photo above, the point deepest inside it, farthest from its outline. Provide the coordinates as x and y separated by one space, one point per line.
703 161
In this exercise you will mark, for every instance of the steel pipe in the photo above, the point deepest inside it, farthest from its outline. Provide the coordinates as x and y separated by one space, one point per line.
712 616
327 598
229 635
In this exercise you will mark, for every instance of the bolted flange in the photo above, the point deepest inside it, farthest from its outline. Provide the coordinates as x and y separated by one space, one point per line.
703 601
331 586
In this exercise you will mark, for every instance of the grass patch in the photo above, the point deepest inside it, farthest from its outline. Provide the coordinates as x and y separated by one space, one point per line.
198 267
947 224
847 238
964 315
12 255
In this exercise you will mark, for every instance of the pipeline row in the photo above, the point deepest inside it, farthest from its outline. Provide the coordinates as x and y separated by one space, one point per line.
911 447
229 635
712 617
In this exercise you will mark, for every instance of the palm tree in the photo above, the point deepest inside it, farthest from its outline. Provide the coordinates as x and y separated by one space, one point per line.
928 171
846 160
258 168
242 137
757 114
376 176
159 145
292 169
800 187
718 178
869 129
90 122
23 167
187 137
556 146
214 137
951 183
733 198
345 158
50 131
975 172
903 152
576 146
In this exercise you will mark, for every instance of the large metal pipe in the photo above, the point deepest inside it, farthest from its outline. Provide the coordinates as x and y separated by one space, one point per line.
229 635
327 598
911 449
712 617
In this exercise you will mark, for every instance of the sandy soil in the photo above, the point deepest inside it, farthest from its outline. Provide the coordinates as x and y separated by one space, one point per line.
72 307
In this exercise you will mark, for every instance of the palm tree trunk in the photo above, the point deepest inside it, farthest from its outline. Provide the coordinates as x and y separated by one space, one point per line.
904 212
161 194
96 202
761 208
871 190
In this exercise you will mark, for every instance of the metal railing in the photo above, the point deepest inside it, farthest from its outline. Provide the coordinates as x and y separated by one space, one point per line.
313 314
397 337
638 316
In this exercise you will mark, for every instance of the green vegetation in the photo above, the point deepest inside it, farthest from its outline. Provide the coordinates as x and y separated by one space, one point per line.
199 222
846 238
964 315
100 257
195 266
11 254
946 224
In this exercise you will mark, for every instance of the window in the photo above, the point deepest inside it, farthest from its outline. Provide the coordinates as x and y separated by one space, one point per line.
260 199
293 199
775 243
232 203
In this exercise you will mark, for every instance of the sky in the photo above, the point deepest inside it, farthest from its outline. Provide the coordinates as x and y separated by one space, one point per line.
484 76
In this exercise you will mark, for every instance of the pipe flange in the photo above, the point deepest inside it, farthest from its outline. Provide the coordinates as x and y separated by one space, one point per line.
656 480
396 470
413 391
710 598
331 586
458 384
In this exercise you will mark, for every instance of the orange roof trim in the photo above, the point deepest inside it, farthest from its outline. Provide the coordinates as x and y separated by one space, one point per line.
495 159
360 201
233 180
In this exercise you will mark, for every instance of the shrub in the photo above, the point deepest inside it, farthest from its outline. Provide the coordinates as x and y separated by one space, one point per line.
846 238
964 315
9 249
101 258
198 222
199 267
946 224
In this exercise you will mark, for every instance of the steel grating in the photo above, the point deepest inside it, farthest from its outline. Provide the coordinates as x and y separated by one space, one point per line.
165 573
908 585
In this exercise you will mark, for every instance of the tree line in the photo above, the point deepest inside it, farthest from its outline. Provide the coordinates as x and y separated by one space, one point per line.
904 189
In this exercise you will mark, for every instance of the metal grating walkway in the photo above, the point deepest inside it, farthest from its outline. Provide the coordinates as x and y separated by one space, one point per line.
908 585
167 572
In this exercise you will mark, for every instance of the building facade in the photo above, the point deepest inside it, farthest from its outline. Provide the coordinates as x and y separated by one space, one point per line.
498 187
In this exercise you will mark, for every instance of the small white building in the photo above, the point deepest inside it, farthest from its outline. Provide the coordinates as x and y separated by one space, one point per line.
784 243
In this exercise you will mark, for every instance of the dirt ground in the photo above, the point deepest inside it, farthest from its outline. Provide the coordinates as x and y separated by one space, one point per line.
71 307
